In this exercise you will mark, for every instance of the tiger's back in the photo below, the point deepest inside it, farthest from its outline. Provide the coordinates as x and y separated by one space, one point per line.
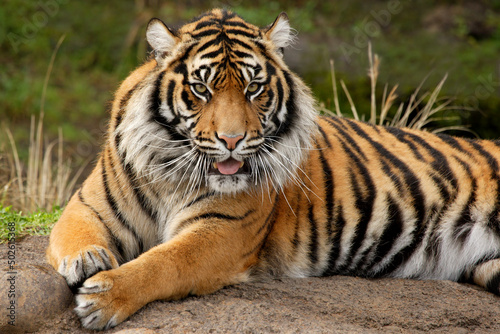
217 169
381 201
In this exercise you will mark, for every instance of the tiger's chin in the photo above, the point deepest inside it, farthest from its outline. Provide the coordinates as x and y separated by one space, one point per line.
229 184
229 176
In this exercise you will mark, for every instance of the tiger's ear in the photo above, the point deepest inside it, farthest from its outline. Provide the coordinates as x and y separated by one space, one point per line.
280 32
161 38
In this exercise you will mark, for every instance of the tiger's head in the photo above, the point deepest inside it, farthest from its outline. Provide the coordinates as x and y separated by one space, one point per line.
220 108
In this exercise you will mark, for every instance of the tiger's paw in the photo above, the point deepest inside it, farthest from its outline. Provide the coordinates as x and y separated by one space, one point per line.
102 303
86 263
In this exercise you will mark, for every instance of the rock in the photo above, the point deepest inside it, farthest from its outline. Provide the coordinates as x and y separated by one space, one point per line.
30 295
136 331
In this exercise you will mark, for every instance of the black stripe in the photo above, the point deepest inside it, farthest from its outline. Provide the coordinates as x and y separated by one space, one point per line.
116 211
115 241
200 198
227 15
337 124
493 284
208 44
123 102
240 32
393 230
434 242
241 43
271 214
205 23
396 180
155 101
327 182
213 215
417 236
463 225
170 100
213 54
439 163
237 24
493 219
126 97
296 211
313 237
496 142
280 94
220 76
270 69
262 49
270 100
113 174
180 68
205 33
268 225
205 139
187 53
443 189
400 135
291 109
242 54
453 142
186 99
142 199
335 242
492 162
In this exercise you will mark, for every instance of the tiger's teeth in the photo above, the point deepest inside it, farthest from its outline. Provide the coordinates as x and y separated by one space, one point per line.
242 163
214 165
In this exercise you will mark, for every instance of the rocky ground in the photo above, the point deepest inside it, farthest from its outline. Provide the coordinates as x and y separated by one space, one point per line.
315 305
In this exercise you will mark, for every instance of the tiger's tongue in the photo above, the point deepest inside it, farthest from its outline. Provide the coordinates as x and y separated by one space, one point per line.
229 166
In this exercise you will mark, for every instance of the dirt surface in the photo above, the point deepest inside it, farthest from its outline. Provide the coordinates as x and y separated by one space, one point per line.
314 305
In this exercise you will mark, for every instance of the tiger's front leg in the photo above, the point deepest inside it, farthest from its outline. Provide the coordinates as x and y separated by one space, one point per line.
205 257
79 244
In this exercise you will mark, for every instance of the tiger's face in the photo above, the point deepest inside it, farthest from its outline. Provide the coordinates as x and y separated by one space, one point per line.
224 103
229 114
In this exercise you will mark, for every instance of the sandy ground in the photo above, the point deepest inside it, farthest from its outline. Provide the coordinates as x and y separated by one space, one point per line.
315 305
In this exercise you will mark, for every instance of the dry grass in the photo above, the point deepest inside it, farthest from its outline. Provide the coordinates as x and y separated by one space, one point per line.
417 113
44 181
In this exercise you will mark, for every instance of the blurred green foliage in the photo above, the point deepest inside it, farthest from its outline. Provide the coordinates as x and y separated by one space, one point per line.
38 223
105 41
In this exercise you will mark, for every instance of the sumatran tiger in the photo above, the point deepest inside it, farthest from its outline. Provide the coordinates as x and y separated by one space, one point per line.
217 170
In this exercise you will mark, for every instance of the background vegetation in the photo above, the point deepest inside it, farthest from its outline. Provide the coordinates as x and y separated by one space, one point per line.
104 41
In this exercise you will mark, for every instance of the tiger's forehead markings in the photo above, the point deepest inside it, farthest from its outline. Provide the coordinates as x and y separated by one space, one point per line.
225 43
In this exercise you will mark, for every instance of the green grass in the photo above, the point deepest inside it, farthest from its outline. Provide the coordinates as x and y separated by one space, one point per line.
38 223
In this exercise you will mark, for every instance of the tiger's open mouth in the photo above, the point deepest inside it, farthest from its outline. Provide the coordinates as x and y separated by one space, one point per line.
229 167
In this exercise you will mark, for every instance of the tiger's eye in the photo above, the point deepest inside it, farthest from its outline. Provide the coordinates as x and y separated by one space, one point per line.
252 88
202 89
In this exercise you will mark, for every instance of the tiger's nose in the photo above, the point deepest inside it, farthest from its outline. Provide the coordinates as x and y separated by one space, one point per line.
230 141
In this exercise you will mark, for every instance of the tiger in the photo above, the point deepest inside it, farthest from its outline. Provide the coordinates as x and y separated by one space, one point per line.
218 169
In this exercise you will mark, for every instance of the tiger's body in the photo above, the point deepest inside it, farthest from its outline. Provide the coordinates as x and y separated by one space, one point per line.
217 170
